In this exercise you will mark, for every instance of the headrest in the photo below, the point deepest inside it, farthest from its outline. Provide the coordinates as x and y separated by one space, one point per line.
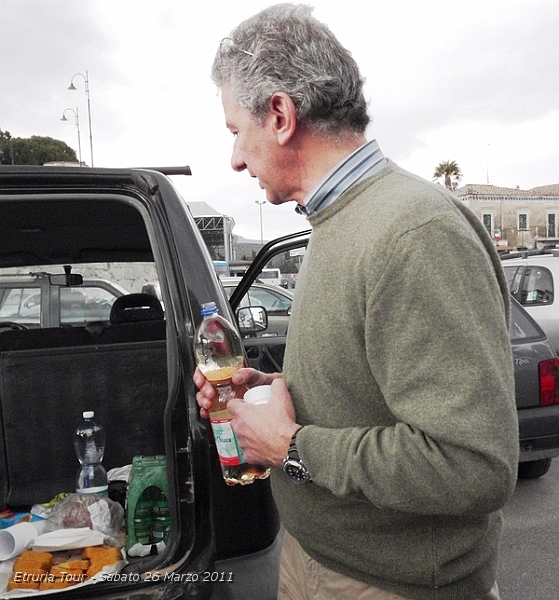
136 307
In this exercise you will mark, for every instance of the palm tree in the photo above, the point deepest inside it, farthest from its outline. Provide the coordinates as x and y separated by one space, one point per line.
451 173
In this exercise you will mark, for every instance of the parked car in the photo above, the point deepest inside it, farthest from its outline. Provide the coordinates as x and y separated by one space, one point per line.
533 277
276 300
133 369
536 373
39 299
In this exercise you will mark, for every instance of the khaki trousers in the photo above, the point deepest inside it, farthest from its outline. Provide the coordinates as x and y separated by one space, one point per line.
302 578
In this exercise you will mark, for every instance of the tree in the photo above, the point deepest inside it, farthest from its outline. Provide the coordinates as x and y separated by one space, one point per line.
451 173
6 148
36 150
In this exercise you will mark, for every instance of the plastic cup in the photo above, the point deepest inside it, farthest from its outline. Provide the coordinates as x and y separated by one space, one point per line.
258 395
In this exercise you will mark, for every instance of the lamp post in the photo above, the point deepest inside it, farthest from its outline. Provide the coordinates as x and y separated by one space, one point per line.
260 203
73 87
78 129
487 164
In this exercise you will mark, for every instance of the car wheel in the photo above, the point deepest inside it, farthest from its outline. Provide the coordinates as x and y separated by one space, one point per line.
534 468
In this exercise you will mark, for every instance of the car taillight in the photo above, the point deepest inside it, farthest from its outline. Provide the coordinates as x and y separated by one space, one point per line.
549 382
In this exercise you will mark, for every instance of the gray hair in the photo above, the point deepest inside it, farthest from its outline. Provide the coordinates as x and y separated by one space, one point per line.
285 49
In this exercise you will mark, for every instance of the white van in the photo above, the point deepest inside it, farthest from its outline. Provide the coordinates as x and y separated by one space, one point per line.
271 276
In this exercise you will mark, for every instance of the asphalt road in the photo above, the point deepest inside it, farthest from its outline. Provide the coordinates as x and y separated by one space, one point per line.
529 565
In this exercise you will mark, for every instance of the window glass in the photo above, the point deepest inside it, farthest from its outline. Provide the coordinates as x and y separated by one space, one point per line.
28 297
514 279
521 326
273 302
551 218
537 287
21 305
487 223
85 304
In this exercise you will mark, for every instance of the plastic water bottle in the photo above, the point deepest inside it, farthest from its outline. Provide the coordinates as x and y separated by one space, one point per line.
219 354
89 442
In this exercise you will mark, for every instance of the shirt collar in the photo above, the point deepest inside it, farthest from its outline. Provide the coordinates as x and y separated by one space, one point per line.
366 161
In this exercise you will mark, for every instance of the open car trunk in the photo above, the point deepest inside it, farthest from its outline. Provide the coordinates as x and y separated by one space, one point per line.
133 370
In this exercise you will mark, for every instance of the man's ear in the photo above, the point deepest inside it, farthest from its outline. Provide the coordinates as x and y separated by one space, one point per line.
283 117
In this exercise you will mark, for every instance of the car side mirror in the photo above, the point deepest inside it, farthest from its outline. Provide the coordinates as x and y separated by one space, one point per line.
252 319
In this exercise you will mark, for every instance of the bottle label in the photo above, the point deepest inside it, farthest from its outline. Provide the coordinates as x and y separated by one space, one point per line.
228 449
102 490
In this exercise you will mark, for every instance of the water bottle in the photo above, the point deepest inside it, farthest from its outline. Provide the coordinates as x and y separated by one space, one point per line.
219 354
89 442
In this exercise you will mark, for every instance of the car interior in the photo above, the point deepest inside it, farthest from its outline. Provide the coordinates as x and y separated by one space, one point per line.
49 376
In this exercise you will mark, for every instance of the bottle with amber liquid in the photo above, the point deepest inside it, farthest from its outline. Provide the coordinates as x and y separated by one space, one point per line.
219 354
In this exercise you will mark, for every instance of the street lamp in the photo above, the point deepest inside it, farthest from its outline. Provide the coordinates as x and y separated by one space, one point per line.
78 129
260 203
487 164
73 87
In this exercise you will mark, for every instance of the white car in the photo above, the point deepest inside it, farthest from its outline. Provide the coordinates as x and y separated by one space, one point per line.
276 300
39 299
533 277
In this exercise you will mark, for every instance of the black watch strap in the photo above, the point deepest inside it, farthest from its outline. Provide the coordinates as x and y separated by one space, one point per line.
293 465
293 453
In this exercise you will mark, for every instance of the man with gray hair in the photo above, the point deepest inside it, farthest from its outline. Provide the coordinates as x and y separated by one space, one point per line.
392 430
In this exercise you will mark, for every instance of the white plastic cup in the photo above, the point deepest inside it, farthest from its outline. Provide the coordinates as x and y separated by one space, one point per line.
258 395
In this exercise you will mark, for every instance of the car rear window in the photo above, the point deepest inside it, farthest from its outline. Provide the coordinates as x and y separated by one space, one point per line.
531 285
21 305
79 306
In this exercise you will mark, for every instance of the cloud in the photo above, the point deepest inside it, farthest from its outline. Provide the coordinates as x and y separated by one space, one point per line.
476 82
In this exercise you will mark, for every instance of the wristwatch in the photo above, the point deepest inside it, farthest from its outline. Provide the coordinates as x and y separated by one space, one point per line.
293 465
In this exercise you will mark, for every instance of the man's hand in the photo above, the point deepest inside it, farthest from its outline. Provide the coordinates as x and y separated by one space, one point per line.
241 380
264 430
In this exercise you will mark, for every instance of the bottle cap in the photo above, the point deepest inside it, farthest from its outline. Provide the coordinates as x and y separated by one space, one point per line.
88 414
208 308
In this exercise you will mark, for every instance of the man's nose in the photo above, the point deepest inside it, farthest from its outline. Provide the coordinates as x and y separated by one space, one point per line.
237 163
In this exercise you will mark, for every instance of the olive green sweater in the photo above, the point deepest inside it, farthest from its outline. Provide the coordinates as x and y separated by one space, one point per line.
399 364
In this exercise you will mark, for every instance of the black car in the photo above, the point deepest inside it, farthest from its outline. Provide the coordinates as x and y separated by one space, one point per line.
133 367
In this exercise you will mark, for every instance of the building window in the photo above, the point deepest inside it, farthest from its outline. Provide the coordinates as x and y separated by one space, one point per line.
551 225
487 219
522 222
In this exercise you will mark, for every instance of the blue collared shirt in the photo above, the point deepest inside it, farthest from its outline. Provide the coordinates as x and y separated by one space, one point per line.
364 162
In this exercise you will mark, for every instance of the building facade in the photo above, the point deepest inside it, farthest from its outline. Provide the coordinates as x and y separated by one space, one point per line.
516 218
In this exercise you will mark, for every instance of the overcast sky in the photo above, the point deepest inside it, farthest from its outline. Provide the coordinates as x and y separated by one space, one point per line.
472 81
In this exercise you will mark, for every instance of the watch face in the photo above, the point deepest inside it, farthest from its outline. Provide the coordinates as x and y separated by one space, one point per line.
296 471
